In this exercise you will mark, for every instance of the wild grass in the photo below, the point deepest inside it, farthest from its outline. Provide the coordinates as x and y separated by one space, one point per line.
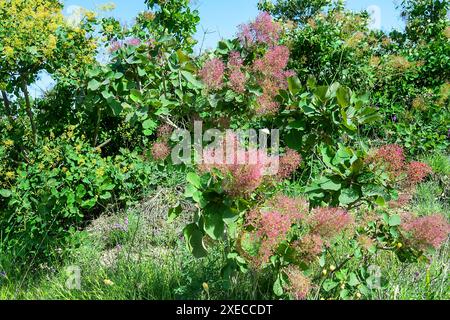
146 258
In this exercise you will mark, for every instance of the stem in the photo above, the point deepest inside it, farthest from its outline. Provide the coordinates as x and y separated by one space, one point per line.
28 110
97 125
7 107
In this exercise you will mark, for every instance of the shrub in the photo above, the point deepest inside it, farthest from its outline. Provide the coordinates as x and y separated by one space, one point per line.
65 183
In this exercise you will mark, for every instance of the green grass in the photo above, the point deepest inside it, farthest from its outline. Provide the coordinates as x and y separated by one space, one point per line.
149 261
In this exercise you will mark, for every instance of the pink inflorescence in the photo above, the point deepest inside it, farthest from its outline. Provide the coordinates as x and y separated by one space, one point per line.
289 163
296 208
164 131
267 105
426 232
273 221
329 222
263 30
403 200
115 46
417 172
160 150
309 247
392 157
237 76
243 170
299 285
134 42
212 74
272 77
273 62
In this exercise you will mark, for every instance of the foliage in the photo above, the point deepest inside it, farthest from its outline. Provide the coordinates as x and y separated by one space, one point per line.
298 11
176 17
355 108
66 183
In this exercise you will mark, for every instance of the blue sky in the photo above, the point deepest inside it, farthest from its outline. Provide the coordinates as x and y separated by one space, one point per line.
220 18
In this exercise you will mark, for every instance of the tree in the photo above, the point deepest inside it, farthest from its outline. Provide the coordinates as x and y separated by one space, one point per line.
425 19
34 37
294 10
28 41
175 17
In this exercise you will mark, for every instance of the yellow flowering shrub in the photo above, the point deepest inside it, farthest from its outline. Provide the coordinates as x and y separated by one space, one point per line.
29 30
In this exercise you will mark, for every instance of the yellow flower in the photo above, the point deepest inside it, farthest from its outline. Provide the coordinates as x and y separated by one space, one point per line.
100 172
10 175
109 28
399 245
8 143
108 282
324 272
9 52
90 15
332 268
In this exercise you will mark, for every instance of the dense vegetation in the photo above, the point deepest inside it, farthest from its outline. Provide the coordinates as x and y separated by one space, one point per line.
357 208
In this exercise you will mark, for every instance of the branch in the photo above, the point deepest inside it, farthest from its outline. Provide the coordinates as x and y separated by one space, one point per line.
103 144
169 122
7 107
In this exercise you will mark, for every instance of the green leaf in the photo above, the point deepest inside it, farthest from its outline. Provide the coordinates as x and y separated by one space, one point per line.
192 80
193 179
81 191
278 287
349 195
116 106
353 281
149 124
136 96
5 193
343 95
343 294
249 245
106 94
294 85
394 220
89 203
213 222
327 156
182 57
329 285
332 184
174 213
380 201
118 75
106 195
141 72
190 190
322 260
194 240
93 85
311 82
